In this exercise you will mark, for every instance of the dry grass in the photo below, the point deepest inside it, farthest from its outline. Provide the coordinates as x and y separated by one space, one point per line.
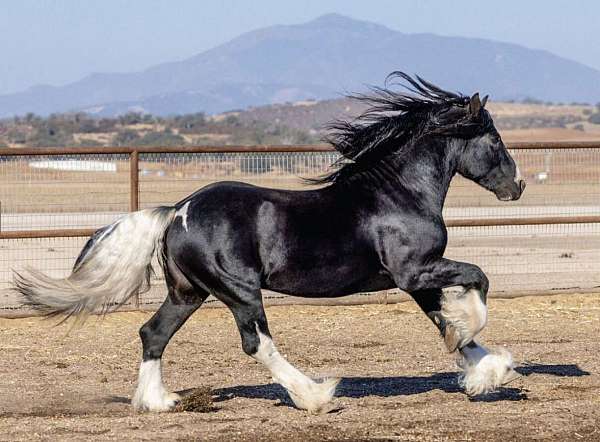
592 133
499 109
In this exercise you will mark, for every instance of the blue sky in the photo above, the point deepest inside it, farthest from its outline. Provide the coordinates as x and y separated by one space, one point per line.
59 41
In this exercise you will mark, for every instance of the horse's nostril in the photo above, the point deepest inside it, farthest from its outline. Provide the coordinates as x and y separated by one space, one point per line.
522 185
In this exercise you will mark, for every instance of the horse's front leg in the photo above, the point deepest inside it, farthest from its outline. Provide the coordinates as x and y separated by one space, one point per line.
460 313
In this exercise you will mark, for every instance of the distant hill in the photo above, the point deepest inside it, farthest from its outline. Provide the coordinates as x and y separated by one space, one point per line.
314 116
303 122
316 60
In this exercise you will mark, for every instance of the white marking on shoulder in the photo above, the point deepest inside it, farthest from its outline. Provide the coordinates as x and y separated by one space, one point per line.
306 393
182 212
151 394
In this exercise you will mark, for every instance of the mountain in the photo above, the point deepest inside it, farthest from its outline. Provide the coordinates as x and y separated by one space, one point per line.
320 59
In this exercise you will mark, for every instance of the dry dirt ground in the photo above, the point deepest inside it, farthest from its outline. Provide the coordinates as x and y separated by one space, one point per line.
398 382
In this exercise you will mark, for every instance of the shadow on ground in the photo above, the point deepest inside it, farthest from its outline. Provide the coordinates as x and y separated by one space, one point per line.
561 370
358 387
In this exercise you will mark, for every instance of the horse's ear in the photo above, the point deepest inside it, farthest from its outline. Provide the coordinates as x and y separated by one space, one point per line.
484 101
475 105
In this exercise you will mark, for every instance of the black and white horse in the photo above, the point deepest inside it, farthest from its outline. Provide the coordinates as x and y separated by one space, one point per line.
376 225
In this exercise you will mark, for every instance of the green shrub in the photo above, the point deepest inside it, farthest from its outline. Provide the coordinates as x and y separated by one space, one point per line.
595 118
16 135
131 118
191 123
166 138
126 137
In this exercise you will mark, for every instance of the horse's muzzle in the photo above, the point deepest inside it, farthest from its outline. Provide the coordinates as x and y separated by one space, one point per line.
511 193
522 186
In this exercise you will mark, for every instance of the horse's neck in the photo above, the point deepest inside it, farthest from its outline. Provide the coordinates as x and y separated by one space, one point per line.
425 174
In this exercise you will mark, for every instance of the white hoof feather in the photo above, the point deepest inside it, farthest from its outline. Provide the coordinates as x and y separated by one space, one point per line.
305 393
484 372
465 315
315 397
157 403
150 394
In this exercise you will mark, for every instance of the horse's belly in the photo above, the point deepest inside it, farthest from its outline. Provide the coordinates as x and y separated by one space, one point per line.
328 282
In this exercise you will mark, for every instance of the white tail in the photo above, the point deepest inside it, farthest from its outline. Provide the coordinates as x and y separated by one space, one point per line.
114 265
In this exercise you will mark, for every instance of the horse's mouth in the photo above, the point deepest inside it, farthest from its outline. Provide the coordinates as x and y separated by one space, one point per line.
506 197
512 194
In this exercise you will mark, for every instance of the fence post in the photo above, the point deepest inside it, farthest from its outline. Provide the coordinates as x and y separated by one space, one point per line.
134 183
134 195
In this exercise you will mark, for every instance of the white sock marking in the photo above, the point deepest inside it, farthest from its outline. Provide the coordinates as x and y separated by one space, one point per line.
306 393
151 394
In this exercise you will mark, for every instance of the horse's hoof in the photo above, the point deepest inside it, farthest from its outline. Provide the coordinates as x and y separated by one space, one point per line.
316 397
327 408
451 338
174 397
157 404
486 373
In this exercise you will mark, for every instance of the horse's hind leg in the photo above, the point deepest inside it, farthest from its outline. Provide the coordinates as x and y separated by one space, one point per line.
151 394
460 315
251 320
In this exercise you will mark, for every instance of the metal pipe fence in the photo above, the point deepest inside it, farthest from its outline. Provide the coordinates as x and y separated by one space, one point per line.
51 199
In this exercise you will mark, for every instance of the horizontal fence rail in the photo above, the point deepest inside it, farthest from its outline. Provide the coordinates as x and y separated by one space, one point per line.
493 222
285 148
52 199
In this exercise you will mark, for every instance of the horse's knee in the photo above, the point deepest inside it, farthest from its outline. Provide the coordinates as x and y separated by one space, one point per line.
479 280
464 315
250 320
153 344
145 334
250 342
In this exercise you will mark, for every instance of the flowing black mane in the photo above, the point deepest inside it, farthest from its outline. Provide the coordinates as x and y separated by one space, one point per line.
392 121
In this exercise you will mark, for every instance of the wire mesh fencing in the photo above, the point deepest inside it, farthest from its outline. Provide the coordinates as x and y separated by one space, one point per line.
90 190
531 258
560 182
166 178
59 192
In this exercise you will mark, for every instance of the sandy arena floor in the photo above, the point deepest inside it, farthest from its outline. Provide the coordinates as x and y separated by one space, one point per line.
399 383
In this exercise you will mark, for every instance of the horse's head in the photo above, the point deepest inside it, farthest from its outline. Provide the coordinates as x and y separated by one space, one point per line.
485 159
395 122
